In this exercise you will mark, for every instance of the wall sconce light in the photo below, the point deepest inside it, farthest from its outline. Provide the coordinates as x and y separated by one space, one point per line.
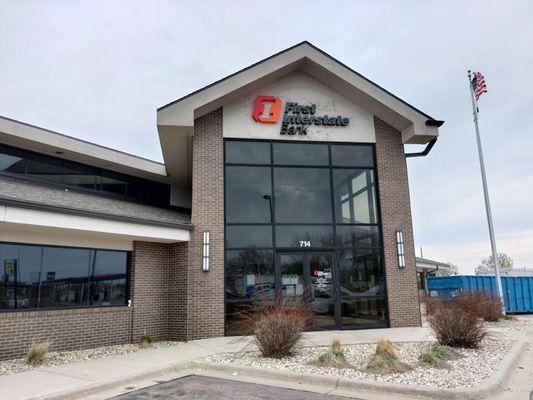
400 250
205 258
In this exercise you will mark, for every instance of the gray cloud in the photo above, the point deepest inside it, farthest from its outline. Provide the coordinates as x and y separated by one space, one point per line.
98 70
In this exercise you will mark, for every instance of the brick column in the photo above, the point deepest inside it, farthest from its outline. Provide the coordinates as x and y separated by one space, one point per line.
206 289
402 291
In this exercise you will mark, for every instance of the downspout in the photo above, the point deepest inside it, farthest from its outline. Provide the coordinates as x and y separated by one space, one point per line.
429 146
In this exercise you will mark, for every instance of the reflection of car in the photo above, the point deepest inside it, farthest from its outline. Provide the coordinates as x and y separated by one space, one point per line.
21 303
322 300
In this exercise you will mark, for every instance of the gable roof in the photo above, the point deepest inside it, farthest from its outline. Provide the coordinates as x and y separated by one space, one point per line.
176 120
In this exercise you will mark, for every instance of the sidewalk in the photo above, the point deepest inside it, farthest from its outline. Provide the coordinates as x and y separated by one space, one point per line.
113 375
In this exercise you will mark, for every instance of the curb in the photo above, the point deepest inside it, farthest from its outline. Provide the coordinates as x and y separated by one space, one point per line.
490 386
176 370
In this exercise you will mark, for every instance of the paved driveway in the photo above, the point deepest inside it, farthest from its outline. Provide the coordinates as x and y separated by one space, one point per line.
203 388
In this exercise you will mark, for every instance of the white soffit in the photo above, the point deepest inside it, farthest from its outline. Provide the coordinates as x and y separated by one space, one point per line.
26 218
176 120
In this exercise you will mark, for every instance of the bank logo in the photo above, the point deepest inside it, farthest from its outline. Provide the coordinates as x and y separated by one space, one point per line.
274 109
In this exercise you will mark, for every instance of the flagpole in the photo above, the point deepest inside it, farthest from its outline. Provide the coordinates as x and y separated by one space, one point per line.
486 195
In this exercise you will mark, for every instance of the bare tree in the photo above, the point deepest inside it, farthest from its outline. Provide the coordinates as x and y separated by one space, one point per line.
487 264
453 270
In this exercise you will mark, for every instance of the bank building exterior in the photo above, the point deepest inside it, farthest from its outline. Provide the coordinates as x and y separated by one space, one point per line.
285 180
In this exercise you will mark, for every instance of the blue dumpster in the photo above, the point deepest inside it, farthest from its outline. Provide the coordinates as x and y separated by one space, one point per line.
517 290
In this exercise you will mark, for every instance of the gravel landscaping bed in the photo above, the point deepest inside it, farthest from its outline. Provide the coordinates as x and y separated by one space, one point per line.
518 323
17 365
466 369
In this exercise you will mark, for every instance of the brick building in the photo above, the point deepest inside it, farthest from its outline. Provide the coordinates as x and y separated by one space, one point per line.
286 180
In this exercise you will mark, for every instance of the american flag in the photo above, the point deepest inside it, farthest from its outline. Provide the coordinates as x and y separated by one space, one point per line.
478 85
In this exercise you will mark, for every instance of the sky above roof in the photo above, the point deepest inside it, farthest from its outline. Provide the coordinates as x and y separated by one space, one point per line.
98 70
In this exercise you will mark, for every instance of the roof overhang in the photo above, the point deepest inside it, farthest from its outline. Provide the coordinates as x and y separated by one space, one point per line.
431 265
175 121
30 137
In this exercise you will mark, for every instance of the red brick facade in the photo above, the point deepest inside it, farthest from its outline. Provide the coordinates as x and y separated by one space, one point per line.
206 289
172 298
159 295
402 291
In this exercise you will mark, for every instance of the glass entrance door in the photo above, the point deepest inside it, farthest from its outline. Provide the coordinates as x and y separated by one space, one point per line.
310 276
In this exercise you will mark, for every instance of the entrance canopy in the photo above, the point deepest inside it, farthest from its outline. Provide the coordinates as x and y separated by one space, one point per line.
175 120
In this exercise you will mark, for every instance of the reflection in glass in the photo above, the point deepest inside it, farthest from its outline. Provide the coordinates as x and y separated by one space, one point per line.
108 278
250 274
352 156
300 154
20 268
303 195
292 276
322 294
65 277
247 152
304 236
355 196
246 188
357 236
362 288
241 236
55 277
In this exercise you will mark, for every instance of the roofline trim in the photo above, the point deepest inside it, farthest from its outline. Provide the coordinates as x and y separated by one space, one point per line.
81 140
92 214
284 51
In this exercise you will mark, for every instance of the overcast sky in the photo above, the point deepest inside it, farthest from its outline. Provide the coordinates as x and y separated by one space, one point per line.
97 70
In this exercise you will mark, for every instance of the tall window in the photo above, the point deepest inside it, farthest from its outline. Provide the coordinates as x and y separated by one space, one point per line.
38 277
285 195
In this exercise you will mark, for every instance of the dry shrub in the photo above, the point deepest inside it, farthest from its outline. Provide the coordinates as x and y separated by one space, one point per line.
481 305
455 327
385 360
430 302
334 357
276 326
385 348
37 352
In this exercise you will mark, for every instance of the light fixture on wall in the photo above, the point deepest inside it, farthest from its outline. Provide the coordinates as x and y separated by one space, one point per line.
205 257
400 250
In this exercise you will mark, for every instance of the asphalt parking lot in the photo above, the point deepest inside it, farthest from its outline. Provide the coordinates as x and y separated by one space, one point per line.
203 388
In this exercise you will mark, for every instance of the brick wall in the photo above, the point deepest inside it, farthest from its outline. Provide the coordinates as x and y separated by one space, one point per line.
159 293
67 329
206 289
402 292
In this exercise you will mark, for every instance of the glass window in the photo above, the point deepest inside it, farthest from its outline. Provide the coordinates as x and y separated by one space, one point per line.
108 278
56 170
12 160
352 156
300 154
248 236
357 236
35 277
292 276
113 183
248 197
360 273
44 168
355 196
20 268
304 236
247 152
65 277
79 175
303 195
250 274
